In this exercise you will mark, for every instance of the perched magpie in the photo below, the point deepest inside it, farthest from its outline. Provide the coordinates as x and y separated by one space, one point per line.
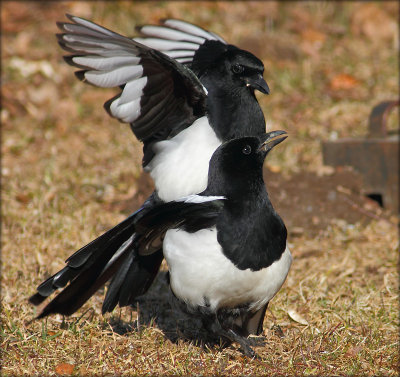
225 247
182 109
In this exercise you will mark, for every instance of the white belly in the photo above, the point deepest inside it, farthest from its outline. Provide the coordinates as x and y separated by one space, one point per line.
218 280
180 166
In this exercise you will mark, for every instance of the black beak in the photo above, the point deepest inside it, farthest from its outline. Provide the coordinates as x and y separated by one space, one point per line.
270 139
257 82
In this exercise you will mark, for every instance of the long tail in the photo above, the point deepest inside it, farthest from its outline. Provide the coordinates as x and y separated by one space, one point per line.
130 254
112 255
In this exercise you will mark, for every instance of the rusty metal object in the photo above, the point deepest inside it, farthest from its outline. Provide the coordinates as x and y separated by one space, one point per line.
376 157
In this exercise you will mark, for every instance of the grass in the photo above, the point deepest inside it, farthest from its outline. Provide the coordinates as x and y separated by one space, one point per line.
64 162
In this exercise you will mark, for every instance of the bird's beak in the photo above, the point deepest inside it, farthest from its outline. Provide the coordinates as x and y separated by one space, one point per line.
271 139
257 82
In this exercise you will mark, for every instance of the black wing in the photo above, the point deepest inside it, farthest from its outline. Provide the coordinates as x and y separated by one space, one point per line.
159 96
191 214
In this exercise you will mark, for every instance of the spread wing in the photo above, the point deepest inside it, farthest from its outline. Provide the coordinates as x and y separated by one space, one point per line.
178 39
159 96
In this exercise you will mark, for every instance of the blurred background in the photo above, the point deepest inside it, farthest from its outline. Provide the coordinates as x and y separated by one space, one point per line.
69 171
328 64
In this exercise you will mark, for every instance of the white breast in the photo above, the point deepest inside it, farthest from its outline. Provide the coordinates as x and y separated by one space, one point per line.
180 166
199 270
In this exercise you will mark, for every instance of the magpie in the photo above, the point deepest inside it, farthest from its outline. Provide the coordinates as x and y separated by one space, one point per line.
226 249
183 92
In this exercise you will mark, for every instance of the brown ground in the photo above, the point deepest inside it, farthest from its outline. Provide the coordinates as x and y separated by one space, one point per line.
69 172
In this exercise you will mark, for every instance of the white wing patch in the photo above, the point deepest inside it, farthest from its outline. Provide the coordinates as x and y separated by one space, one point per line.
108 63
95 43
132 90
127 112
184 60
105 63
115 77
110 60
180 53
164 44
177 39
171 34
89 25
192 29
200 199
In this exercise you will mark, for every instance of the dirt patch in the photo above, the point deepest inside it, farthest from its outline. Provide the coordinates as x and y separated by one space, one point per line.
308 203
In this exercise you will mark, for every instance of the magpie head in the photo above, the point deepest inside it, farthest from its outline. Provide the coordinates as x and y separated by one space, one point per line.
237 164
245 70
237 68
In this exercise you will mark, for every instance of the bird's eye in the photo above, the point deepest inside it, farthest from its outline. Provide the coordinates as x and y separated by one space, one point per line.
237 68
246 149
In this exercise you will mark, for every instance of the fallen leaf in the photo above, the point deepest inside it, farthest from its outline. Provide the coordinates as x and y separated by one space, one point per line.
23 198
343 81
296 317
64 369
313 36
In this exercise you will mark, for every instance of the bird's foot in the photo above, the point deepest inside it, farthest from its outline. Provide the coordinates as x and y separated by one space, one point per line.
257 341
244 343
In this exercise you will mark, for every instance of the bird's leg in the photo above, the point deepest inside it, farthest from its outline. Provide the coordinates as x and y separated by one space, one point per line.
233 333
241 340
224 327
211 324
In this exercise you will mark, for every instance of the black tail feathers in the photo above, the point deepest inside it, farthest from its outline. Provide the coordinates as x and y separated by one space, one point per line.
87 270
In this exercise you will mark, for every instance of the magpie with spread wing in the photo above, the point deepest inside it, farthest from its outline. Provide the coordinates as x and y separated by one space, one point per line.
182 102
181 110
225 248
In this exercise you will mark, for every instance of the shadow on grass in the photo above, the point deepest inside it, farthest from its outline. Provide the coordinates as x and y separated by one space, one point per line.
156 308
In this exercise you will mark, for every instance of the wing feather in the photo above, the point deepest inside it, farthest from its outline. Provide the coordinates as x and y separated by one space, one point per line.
151 83
175 37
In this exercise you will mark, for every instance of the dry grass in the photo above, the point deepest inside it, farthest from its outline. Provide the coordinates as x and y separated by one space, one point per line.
65 161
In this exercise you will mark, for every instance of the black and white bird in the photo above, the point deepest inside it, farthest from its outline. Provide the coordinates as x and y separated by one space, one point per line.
184 91
226 249
168 108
